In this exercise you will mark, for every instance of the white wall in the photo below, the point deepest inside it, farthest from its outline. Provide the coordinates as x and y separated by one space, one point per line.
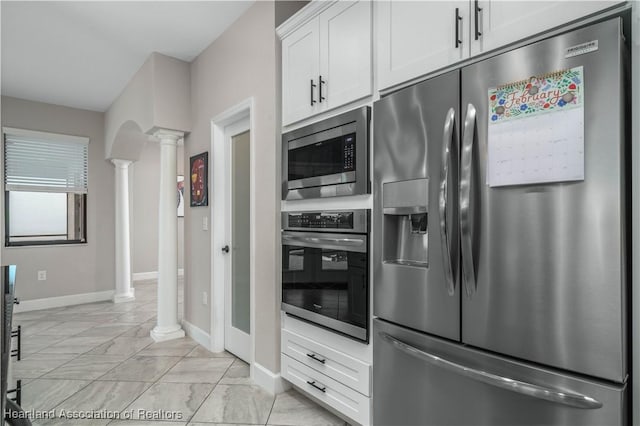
145 196
73 269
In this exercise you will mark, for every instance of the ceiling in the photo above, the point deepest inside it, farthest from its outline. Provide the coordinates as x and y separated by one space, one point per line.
82 54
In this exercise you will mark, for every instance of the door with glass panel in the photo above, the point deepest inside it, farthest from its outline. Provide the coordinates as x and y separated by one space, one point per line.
238 228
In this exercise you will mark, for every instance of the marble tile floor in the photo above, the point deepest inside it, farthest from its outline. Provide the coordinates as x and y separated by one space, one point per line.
98 357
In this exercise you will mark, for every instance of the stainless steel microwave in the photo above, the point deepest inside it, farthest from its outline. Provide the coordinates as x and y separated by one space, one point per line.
327 159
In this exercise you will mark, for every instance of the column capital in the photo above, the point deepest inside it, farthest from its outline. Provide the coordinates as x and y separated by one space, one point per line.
167 136
122 164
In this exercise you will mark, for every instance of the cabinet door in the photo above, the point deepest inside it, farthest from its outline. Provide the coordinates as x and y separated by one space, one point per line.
300 70
416 37
345 53
503 22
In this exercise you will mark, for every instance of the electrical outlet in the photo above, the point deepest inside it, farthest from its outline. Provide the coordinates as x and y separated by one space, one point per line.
205 223
42 275
204 297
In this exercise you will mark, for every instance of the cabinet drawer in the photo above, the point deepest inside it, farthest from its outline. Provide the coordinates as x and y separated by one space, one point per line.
343 399
335 364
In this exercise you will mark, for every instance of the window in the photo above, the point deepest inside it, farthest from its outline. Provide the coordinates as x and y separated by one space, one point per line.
45 183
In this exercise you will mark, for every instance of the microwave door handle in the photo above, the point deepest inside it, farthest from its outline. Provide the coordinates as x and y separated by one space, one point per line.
571 399
466 162
449 126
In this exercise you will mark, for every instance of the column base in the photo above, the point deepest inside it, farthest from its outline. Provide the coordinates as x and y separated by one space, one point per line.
124 297
162 334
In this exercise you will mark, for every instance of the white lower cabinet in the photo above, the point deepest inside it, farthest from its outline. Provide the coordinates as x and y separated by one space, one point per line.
339 366
333 393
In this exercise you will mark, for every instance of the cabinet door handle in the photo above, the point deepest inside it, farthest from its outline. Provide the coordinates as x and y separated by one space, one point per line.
315 357
477 10
324 389
457 35
320 83
313 101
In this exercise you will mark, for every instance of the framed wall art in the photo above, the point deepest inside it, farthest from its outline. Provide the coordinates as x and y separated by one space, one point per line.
199 173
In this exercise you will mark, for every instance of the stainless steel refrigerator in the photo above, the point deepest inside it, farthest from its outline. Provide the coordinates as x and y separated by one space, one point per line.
501 305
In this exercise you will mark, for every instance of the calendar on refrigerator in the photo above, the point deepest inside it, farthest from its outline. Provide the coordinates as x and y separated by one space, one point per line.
536 130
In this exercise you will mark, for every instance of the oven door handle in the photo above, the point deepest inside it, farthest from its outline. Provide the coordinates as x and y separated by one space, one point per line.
346 243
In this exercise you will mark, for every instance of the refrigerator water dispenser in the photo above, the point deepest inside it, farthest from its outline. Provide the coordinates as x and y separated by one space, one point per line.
405 208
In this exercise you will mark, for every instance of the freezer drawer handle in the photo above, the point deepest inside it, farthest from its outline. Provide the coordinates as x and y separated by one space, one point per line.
449 126
315 358
324 389
560 397
466 162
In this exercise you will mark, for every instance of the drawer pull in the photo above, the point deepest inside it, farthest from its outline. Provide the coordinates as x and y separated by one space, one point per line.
324 389
315 358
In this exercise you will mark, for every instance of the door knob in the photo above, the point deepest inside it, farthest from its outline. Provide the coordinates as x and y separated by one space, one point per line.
225 249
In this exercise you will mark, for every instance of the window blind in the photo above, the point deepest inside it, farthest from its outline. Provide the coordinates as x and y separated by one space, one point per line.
37 161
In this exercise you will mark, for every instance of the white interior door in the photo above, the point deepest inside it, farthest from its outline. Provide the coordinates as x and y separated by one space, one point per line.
237 250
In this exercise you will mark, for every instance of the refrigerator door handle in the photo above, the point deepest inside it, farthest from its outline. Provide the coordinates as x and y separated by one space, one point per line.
529 389
449 126
466 161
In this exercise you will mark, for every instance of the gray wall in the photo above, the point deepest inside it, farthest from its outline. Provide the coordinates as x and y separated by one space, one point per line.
156 97
286 8
75 269
238 65
145 196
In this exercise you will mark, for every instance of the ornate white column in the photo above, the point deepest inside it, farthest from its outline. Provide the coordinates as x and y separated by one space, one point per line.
124 292
167 327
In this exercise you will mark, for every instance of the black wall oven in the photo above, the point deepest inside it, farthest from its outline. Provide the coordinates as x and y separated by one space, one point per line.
325 269
328 158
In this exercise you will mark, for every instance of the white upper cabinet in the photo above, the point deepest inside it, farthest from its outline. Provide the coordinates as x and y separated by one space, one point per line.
345 53
417 37
326 61
300 70
503 22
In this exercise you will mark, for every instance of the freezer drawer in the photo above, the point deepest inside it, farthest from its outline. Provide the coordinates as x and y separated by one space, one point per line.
335 364
422 380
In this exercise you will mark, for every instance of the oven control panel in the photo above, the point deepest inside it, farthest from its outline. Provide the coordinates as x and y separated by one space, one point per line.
321 220
345 221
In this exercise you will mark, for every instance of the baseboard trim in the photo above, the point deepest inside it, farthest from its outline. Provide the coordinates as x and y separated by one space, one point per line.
152 275
272 383
57 302
197 334
143 276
